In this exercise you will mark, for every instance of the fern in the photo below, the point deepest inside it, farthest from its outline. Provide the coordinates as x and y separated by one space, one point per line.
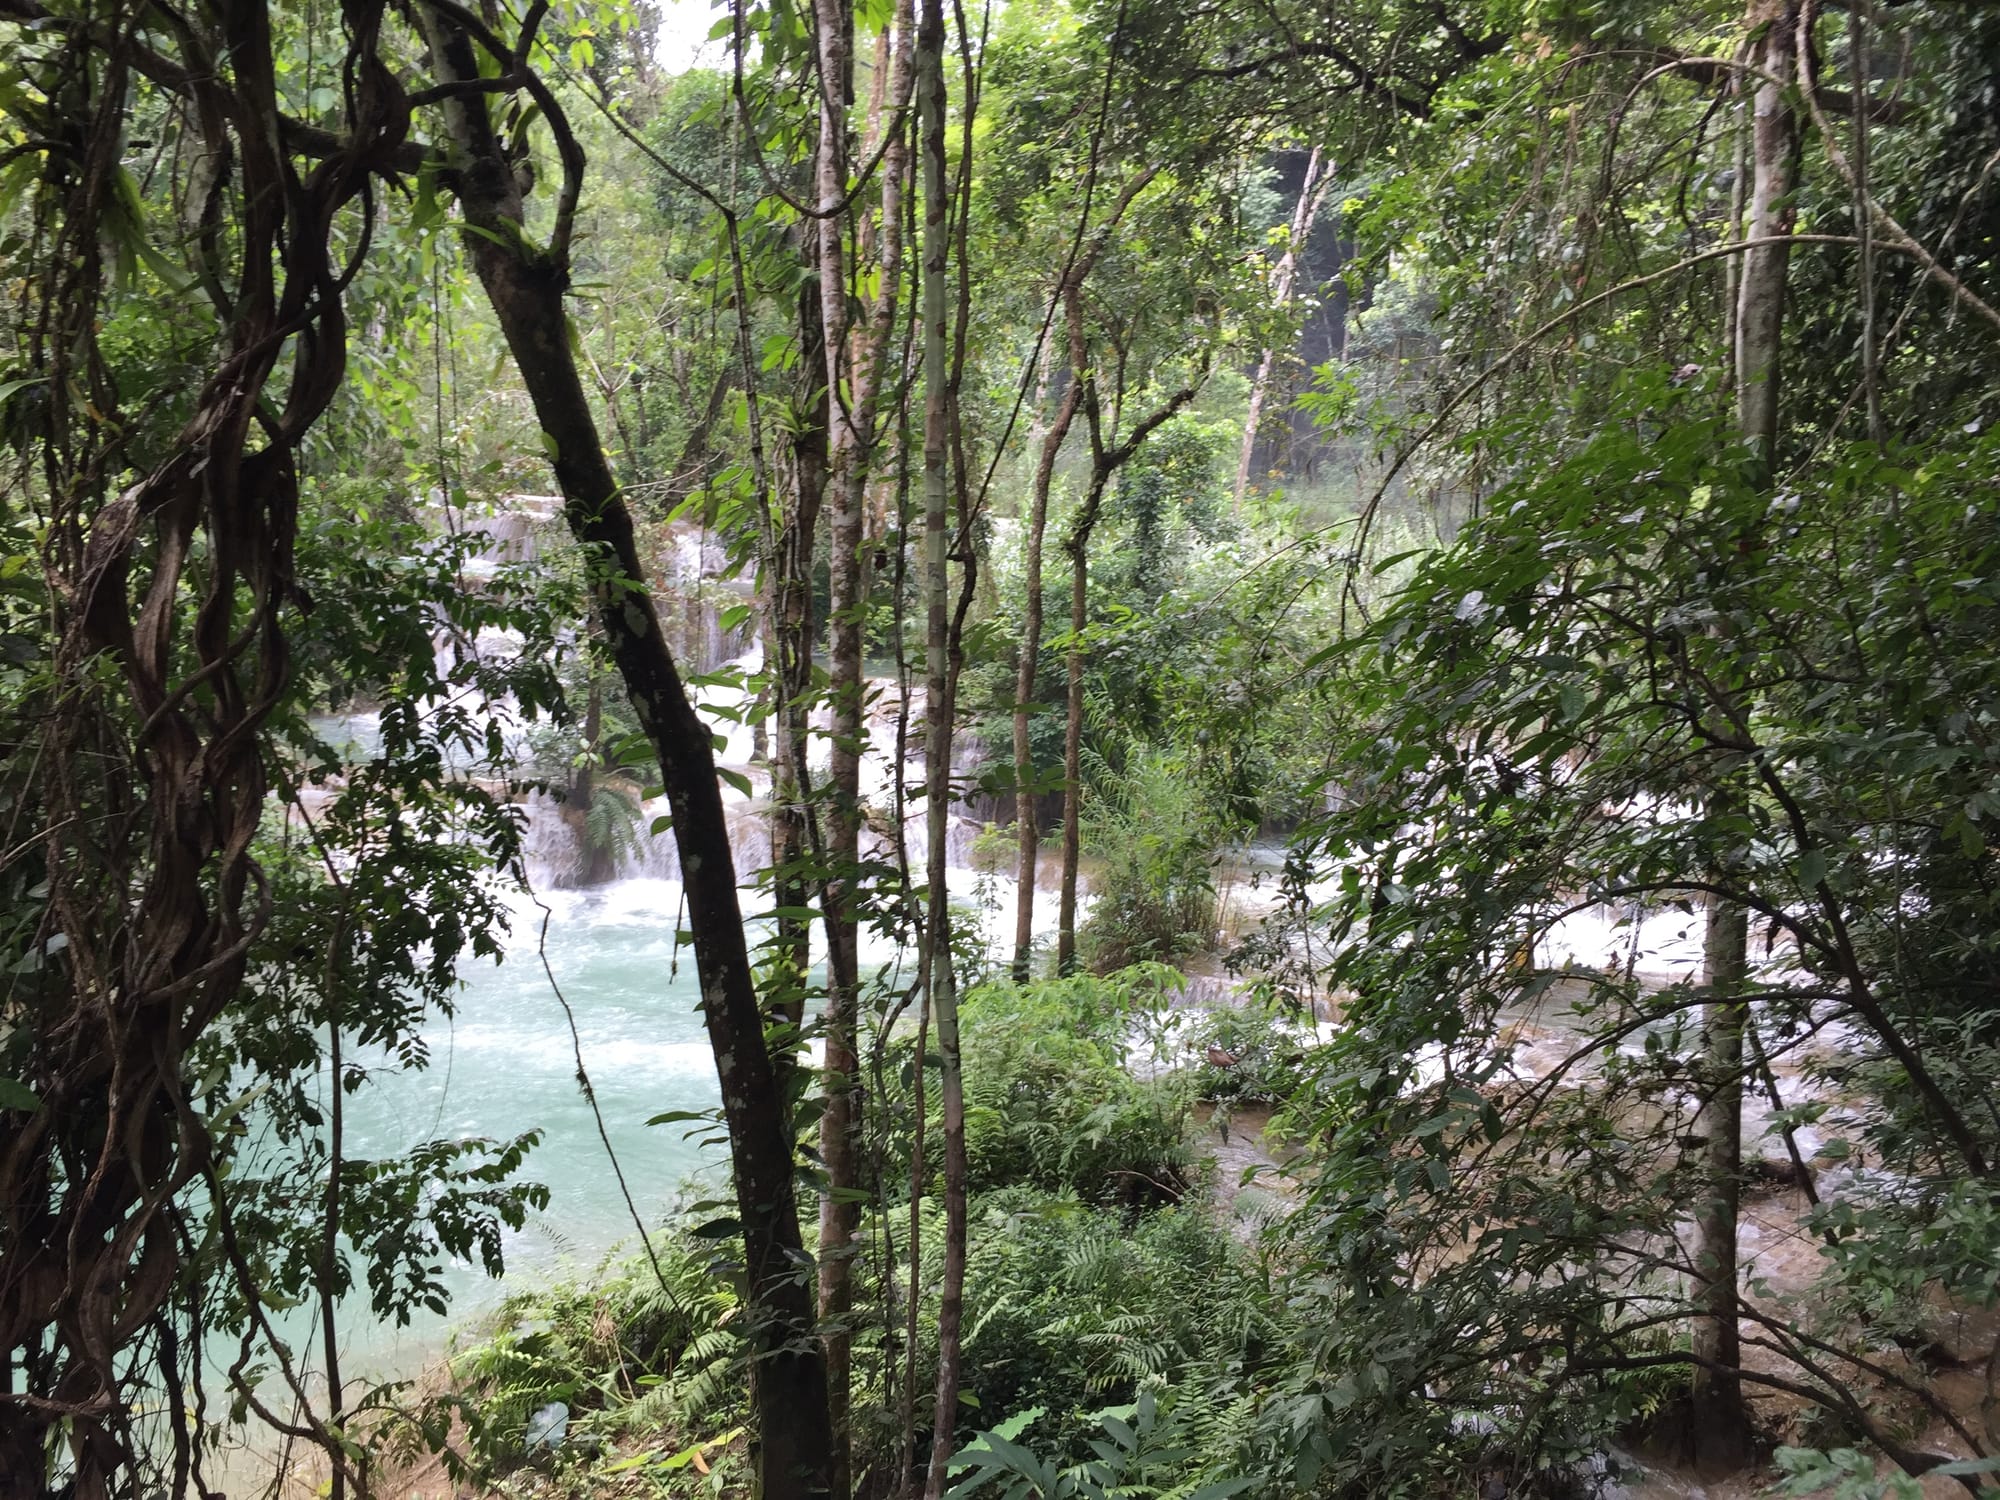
1142 1452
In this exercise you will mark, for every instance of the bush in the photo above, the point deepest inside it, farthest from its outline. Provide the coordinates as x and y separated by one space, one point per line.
1155 893
1268 1057
645 1348
1072 1309
1050 1103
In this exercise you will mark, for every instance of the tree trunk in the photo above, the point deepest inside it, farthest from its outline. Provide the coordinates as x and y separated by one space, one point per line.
1104 464
1760 307
597 866
1720 1423
1311 192
1072 844
854 355
1027 830
792 631
839 1214
1069 292
525 286
937 738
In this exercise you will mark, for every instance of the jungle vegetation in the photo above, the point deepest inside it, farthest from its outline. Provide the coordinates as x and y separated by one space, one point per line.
1344 497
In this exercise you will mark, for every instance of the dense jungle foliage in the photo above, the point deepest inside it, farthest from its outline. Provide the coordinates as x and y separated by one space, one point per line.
1270 731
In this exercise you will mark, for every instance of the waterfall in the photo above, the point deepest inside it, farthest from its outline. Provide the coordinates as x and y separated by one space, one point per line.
697 584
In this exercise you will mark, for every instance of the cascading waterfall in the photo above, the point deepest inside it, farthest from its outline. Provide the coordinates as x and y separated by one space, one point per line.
505 1061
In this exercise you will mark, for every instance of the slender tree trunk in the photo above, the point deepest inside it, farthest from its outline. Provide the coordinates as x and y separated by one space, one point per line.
597 862
1027 830
1069 292
526 286
792 630
1311 192
855 352
1078 547
937 739
1721 1426
1861 72
1104 466
1760 310
1720 1422
839 1214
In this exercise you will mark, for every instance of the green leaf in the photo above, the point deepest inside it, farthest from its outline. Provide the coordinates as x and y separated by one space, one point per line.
636 1461
679 1116
16 1095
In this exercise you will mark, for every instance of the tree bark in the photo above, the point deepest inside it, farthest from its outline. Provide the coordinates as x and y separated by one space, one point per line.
839 1214
526 286
597 864
1027 830
855 349
1720 1422
804 476
1104 464
1311 193
942 983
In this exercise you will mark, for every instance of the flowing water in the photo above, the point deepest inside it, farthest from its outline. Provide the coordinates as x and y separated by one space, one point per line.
506 1062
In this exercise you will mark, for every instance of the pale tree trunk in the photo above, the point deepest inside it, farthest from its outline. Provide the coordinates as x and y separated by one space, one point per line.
833 22
1312 192
854 358
525 285
937 738
1720 1423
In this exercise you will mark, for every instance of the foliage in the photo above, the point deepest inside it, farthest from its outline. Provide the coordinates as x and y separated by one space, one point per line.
383 865
1268 1059
1846 1474
1143 1452
1548 645
642 1354
1051 1100
1154 895
1549 691
1068 1306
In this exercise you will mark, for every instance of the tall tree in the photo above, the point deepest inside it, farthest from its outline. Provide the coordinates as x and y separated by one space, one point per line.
1068 300
1105 462
526 284
1719 1422
940 977
857 334
155 710
1312 192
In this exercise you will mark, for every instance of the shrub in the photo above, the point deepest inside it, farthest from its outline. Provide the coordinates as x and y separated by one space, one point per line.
1269 1059
1071 1309
1050 1102
642 1349
1155 891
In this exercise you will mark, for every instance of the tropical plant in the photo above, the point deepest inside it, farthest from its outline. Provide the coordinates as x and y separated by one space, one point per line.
1143 1453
